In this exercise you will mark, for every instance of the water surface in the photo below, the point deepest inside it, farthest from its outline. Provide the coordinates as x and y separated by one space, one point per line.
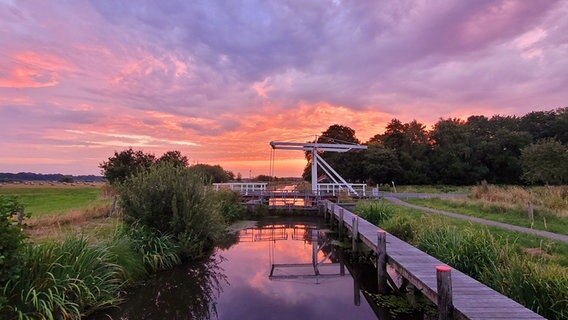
265 272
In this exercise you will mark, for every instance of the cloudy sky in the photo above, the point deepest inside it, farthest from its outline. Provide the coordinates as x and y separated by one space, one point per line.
218 80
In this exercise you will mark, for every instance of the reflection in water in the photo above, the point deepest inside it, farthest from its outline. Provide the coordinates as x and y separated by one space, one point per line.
279 270
166 297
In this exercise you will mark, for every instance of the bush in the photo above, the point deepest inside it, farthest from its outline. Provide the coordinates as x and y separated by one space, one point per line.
229 205
173 200
11 239
376 212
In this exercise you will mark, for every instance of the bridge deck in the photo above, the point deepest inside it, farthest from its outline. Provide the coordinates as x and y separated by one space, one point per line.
471 299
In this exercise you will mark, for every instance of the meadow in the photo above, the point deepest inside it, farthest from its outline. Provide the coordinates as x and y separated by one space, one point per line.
41 200
57 211
509 204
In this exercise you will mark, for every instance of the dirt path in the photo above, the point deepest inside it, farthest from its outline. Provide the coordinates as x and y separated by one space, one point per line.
540 233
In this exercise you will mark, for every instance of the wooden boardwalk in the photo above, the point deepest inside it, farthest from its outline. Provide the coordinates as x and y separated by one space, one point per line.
471 299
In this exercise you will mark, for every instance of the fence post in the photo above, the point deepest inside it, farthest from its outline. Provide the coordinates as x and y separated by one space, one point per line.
340 223
355 234
444 298
530 211
382 260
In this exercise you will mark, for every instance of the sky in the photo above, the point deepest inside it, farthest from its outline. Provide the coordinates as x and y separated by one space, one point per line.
219 80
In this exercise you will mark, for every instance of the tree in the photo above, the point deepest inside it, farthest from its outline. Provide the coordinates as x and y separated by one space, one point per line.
126 163
409 142
381 164
452 153
174 157
344 163
212 174
66 179
545 162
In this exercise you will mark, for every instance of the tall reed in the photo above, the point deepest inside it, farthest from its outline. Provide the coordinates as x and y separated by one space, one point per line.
375 212
64 281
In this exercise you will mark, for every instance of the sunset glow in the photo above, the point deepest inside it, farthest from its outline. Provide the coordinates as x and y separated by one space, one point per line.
219 80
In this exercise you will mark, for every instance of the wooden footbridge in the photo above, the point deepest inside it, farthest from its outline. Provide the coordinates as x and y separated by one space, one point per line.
457 295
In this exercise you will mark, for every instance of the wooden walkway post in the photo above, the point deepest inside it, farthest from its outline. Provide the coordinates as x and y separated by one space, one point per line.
444 298
332 213
340 223
315 251
355 234
382 260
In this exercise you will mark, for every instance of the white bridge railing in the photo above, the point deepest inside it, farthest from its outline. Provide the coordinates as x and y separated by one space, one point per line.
334 188
242 187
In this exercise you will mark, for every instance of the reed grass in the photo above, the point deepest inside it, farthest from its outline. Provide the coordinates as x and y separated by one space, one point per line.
64 281
536 281
375 212
158 251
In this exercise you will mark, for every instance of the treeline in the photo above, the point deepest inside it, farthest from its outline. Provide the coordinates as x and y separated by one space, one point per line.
129 162
29 176
499 149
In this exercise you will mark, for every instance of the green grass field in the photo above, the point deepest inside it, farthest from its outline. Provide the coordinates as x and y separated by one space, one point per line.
43 201
514 216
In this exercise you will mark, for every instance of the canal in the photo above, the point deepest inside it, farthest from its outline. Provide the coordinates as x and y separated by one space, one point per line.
276 268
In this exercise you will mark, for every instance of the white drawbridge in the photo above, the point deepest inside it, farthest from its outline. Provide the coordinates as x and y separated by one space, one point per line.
318 162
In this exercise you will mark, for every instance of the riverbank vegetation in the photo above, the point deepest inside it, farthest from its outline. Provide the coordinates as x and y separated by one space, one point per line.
167 215
528 269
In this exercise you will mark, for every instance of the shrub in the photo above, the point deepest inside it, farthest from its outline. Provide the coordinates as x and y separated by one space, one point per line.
229 205
173 200
260 210
11 239
376 212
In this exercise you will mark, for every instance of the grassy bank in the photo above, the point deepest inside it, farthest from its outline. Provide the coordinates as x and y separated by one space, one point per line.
167 216
427 188
528 269
543 219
